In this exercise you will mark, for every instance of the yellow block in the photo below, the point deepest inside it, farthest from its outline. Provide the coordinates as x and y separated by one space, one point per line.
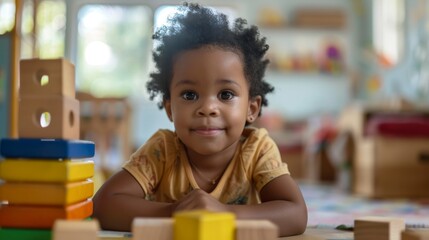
204 225
43 170
46 193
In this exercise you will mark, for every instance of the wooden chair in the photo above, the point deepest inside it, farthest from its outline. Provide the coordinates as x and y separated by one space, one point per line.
106 121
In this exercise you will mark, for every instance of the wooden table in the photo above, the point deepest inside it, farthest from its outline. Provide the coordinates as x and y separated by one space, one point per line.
309 234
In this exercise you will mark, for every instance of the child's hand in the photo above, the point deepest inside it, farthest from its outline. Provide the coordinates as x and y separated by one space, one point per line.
199 199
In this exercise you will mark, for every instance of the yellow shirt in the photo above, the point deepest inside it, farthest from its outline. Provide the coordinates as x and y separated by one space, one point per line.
162 169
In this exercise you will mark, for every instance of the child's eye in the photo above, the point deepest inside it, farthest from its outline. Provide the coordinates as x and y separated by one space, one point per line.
189 95
226 95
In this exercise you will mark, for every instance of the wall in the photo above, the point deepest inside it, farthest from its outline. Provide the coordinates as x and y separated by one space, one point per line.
5 65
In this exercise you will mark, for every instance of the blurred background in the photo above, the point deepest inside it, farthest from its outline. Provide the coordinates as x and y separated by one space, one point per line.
351 78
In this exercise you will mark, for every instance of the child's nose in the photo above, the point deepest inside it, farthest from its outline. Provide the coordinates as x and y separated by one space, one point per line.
208 107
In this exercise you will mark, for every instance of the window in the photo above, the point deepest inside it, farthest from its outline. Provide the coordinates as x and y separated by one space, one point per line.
113 45
388 19
44 38
7 15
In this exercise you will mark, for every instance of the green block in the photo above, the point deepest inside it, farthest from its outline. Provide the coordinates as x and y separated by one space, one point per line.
25 234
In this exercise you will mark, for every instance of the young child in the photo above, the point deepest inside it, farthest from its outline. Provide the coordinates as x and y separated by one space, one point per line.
210 78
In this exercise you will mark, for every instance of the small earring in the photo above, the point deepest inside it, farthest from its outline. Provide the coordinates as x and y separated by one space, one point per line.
250 118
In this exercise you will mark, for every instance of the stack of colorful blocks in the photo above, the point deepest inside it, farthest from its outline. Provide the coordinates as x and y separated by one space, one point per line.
46 171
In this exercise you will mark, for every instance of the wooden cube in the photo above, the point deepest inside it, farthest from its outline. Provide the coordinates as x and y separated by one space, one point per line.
255 230
415 234
47 77
204 225
378 228
49 117
152 228
75 229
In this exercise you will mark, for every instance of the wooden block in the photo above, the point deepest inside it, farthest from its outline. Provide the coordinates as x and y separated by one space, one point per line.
378 228
46 193
46 148
43 77
42 217
256 230
23 170
25 234
152 228
415 234
204 225
75 229
49 117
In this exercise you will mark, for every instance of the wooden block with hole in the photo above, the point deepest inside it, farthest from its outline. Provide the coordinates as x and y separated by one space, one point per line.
75 229
255 230
47 77
152 228
204 225
49 117
378 228
415 234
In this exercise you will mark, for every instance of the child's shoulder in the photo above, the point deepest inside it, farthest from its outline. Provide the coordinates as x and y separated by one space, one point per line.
161 140
256 137
254 134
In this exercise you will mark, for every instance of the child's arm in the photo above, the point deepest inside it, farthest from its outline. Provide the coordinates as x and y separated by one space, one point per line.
120 199
282 203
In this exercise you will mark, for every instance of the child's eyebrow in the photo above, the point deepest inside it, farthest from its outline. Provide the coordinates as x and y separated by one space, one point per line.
184 82
228 81
220 82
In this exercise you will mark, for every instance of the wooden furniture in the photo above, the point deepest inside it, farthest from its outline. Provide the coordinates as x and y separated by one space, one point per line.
387 166
107 122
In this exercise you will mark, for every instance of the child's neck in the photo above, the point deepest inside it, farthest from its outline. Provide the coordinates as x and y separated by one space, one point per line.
212 162
209 169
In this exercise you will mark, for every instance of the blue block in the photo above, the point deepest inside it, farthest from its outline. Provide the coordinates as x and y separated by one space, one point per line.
46 148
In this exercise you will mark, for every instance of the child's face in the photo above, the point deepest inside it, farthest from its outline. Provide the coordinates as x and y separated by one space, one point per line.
209 102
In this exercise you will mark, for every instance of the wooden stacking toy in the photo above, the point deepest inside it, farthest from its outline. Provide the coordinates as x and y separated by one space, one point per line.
46 171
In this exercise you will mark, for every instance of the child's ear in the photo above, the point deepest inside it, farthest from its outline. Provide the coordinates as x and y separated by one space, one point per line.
167 106
254 109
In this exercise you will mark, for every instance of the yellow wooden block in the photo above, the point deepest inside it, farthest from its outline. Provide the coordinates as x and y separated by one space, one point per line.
39 170
49 117
152 228
75 229
47 77
378 228
46 193
204 225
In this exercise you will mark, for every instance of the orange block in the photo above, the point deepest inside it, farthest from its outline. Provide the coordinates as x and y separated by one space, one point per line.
28 216
47 77
49 117
46 193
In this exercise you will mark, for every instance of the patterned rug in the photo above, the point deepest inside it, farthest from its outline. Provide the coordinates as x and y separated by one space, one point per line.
329 207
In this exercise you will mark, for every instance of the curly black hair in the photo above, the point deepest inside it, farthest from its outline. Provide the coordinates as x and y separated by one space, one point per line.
195 26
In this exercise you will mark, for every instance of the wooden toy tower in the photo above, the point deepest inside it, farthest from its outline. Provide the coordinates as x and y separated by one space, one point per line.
46 171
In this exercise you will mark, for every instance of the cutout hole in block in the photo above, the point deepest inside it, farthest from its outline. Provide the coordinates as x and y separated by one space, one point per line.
42 78
71 118
45 119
